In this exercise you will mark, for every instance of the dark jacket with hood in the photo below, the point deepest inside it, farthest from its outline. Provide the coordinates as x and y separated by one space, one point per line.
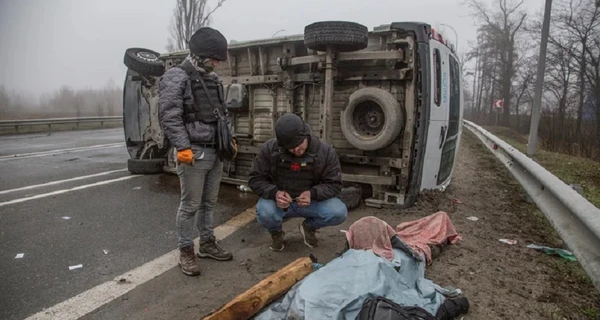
275 169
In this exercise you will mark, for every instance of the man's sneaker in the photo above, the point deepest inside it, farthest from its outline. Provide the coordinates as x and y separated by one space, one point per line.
187 261
212 249
310 239
277 237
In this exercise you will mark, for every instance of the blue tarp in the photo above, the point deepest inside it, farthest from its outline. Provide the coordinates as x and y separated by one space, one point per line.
338 289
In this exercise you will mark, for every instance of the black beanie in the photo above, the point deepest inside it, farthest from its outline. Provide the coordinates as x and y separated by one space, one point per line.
207 42
290 131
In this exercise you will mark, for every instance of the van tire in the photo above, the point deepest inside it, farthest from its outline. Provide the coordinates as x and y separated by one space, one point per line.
145 166
144 61
384 124
351 195
343 36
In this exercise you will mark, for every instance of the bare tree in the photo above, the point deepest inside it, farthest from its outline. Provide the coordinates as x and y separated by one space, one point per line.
580 22
503 24
4 102
188 16
593 75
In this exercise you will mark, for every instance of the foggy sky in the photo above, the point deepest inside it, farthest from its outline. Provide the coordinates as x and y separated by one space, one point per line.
45 44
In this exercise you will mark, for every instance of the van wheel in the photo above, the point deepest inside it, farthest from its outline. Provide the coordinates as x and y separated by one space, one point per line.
144 61
351 195
343 36
372 119
145 166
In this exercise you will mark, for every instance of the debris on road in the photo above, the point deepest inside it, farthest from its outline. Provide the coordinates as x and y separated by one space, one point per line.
19 255
244 188
66 218
565 254
75 267
472 218
508 241
257 297
137 188
457 201
105 251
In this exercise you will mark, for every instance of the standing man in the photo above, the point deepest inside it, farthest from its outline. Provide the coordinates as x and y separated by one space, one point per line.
297 175
187 118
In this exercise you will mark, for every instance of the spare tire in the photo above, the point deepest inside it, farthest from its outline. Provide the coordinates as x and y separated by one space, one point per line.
372 119
351 195
144 61
145 166
343 36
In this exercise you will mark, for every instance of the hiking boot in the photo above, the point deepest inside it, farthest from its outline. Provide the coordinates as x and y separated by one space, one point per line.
277 244
187 261
212 249
310 239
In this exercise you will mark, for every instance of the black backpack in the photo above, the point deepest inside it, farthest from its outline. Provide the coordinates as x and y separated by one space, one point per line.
380 308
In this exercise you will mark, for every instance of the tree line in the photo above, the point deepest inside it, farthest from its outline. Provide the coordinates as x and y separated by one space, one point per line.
64 102
503 65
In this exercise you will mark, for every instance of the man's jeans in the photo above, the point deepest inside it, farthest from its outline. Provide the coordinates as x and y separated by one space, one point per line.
318 214
199 192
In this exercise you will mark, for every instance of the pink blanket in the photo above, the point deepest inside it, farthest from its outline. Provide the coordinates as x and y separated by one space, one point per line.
431 230
372 233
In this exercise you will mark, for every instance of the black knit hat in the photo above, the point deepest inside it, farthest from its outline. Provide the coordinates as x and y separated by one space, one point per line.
290 131
207 42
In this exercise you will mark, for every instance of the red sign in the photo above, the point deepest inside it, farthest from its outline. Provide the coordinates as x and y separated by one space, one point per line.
498 104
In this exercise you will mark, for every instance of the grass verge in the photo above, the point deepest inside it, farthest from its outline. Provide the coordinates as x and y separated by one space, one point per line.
570 169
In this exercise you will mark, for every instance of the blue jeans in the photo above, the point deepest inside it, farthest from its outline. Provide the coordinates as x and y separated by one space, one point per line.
318 214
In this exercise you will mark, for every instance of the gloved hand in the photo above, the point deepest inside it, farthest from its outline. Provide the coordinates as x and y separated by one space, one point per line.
185 156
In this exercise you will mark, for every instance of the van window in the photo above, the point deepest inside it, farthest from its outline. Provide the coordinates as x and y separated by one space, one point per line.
454 97
437 82
449 150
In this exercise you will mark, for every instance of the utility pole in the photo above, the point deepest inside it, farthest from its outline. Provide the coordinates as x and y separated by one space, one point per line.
537 100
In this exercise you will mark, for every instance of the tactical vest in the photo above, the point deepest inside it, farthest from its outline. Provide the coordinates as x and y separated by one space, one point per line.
199 108
292 174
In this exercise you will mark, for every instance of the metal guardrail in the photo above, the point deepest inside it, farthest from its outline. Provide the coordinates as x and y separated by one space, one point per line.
54 121
576 220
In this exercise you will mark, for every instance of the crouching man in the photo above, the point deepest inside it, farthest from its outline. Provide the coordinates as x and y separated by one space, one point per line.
297 175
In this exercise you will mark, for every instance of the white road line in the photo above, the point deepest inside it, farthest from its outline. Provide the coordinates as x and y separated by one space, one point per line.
60 151
43 195
61 181
94 298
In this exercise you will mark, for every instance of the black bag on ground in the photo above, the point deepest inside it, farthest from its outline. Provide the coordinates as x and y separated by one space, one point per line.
380 308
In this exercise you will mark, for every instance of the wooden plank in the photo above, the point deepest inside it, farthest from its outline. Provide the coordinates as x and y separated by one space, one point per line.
260 295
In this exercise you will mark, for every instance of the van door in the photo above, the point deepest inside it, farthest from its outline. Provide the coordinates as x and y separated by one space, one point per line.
438 114
451 145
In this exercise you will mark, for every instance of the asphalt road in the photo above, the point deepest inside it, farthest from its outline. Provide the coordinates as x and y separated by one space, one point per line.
62 207
101 216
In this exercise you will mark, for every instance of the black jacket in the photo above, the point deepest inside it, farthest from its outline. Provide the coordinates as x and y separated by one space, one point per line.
325 171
